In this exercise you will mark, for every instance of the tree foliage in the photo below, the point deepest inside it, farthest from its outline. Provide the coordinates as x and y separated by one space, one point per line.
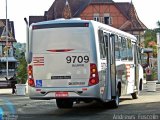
151 40
149 36
22 70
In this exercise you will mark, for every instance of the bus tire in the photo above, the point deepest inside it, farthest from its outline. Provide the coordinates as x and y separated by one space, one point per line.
115 102
64 103
141 85
134 95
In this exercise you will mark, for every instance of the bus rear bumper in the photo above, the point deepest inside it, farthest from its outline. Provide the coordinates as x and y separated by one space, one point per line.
71 92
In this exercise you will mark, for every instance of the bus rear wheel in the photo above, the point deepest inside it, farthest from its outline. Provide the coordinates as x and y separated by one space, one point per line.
64 103
115 102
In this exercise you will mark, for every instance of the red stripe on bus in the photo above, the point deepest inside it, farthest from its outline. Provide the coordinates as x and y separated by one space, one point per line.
38 57
38 64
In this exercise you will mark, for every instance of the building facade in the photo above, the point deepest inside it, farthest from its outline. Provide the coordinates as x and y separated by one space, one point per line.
7 46
121 15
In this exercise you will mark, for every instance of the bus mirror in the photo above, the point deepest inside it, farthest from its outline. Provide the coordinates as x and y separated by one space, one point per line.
28 54
28 57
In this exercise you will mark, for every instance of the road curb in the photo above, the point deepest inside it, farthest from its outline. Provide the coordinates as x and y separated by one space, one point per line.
6 91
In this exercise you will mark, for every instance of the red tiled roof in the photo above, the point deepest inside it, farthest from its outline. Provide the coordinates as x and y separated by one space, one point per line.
77 7
101 1
128 10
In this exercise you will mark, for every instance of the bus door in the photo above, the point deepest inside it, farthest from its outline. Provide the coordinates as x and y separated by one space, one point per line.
130 67
110 79
136 67
113 65
134 72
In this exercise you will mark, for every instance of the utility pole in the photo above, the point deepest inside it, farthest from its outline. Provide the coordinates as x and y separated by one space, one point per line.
6 41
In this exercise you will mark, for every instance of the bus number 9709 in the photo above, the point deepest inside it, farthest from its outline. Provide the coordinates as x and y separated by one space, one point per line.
77 59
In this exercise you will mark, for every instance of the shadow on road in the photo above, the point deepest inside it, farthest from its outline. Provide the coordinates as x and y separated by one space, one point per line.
47 110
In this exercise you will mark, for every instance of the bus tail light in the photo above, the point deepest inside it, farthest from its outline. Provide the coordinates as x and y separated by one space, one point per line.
94 79
30 76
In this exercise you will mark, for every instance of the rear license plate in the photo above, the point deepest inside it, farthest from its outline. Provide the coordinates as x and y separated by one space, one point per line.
61 94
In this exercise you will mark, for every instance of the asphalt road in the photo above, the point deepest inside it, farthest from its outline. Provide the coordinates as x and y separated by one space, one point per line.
22 108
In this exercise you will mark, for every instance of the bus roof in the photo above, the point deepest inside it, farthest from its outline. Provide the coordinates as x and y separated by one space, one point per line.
115 30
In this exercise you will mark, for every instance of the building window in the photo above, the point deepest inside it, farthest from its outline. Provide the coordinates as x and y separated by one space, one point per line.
96 17
107 19
102 44
117 47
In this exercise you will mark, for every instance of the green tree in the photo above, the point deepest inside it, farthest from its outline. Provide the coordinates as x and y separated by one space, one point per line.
150 35
151 40
22 69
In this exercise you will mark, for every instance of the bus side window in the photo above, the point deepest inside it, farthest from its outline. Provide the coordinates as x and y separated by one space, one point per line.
124 54
113 40
101 45
130 50
117 47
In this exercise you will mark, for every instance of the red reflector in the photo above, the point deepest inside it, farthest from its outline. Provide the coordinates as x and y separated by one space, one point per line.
84 89
38 90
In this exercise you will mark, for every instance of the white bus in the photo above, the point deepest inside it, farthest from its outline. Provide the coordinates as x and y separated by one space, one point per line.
81 60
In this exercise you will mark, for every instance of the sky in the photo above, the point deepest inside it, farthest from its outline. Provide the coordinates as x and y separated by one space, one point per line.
17 10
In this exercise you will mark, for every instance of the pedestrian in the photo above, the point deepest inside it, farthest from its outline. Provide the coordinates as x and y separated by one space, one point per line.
13 83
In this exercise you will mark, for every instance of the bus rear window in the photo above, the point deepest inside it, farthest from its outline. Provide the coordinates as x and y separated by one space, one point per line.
59 25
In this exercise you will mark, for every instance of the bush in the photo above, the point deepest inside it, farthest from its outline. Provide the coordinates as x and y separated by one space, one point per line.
154 75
